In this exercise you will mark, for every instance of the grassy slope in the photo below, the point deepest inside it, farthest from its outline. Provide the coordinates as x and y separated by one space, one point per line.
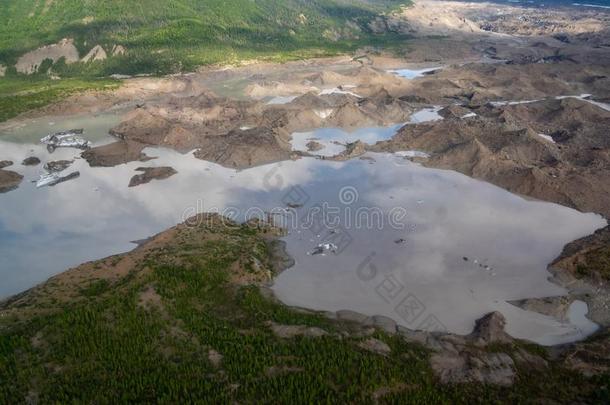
170 36
20 94
88 337
164 36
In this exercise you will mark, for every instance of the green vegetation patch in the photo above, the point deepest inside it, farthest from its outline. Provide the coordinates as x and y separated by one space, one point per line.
21 94
176 328
595 264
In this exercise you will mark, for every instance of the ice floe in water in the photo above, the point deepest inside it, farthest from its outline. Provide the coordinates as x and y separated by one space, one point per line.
411 74
548 138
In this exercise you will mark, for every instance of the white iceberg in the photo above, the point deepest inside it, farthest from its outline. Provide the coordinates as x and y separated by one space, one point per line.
66 139
49 179
323 248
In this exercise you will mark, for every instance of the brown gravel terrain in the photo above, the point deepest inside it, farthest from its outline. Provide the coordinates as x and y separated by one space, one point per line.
502 145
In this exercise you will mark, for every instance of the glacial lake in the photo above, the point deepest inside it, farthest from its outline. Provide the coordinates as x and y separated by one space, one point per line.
430 248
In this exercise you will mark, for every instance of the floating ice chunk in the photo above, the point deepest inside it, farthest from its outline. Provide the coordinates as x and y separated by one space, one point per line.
584 97
547 137
281 100
323 248
337 90
49 179
325 113
426 115
412 154
410 74
66 139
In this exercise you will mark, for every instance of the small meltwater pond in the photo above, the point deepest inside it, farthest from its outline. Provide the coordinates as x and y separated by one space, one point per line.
411 74
330 142
432 249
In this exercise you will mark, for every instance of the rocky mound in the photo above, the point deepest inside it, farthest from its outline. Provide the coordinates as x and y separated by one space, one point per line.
31 161
502 146
9 180
115 153
588 257
242 149
151 173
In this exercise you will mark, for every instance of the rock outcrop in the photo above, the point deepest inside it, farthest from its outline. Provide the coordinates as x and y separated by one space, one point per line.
97 53
151 173
474 367
588 257
468 359
314 146
490 329
503 146
31 61
31 161
9 180
115 153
